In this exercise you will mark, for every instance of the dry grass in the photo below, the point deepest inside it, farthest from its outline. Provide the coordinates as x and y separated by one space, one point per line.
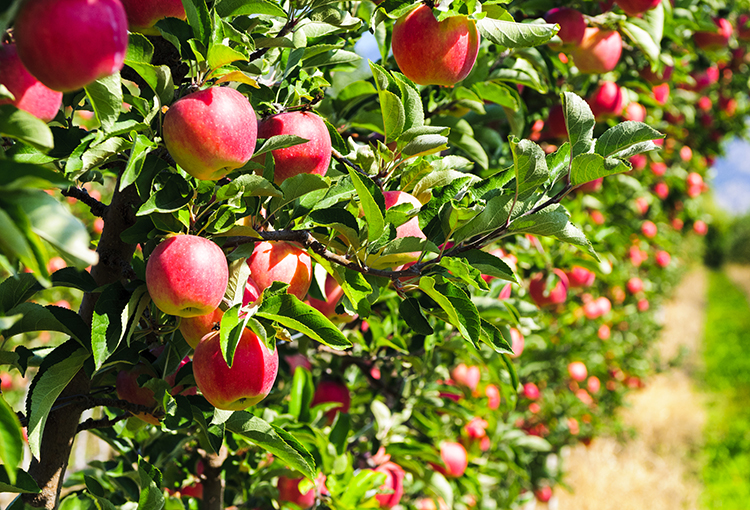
657 470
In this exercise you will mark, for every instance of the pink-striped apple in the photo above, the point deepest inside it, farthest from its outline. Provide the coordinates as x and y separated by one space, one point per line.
599 51
543 296
143 14
394 481
572 24
281 262
29 94
577 371
332 391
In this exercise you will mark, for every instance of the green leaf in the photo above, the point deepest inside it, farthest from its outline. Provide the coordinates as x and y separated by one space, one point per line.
142 145
301 394
23 483
410 310
199 20
23 126
11 440
110 320
494 215
580 124
462 270
175 194
274 440
643 40
232 327
616 141
516 35
105 95
140 48
16 176
588 167
489 264
151 497
56 371
394 115
16 290
292 313
373 204
553 221
48 318
411 100
530 165
73 278
220 55
459 309
492 336
279 142
230 8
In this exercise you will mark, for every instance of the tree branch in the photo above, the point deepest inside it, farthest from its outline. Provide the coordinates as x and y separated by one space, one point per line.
80 194
212 479
342 159
103 423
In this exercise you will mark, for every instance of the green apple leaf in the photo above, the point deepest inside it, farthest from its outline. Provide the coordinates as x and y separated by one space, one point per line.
23 483
617 140
11 440
530 164
140 48
579 122
372 201
497 338
274 440
588 167
23 126
231 8
493 216
142 145
232 327
489 264
199 20
462 270
115 310
411 312
516 35
150 479
279 142
553 221
48 318
456 304
292 313
17 176
105 95
17 290
301 394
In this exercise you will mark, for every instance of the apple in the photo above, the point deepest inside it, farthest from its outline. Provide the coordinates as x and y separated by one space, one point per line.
596 308
743 27
455 459
694 179
634 111
657 78
573 426
660 93
128 389
30 94
211 132
289 491
643 305
429 52
531 391
466 375
187 276
648 228
714 40
411 227
311 157
577 371
700 227
493 396
572 24
143 14
333 293
579 277
662 190
476 428
606 101
555 126
297 360
635 7
332 391
542 296
252 292
517 342
591 186
706 78
638 161
658 168
246 383
281 262
705 103
597 217
67 44
543 494
677 223
6 382
634 285
599 51
728 105
604 332
394 481
194 329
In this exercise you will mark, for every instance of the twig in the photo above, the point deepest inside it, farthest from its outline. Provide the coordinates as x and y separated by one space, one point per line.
342 159
290 24
102 423
80 194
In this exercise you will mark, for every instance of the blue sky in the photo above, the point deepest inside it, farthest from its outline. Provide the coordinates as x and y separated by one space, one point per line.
731 180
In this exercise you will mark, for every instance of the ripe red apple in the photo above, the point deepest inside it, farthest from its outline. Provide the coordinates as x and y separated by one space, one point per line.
661 93
606 101
648 228
411 227
579 277
704 103
6 381
67 44
432 53
544 297
455 459
517 342
662 190
289 491
332 391
211 132
311 157
531 391
596 308
187 276
297 360
591 186
250 379
604 332
543 494
128 389
333 293
643 305
638 161
143 14
394 480
694 179
476 428
599 51
706 78
714 40
30 94
193 329
466 376
555 126
493 396
635 7
658 168
572 24
743 27
634 285
634 111
281 262
700 227
593 384
577 371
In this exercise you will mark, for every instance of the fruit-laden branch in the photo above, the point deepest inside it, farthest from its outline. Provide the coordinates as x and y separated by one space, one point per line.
84 402
342 159
288 27
212 479
80 194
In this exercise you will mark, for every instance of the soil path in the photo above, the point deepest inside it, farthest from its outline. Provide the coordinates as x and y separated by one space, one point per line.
659 469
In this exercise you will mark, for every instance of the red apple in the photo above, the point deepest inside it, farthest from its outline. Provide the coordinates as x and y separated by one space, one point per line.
6 381
429 52
635 285
455 459
411 227
311 157
194 329
662 190
572 24
394 481
29 93
577 371
634 111
597 217
714 40
281 262
599 51
143 14
555 126
187 276
658 168
579 277
706 78
250 379
606 101
543 494
661 93
297 360
604 332
648 228
333 293
593 384
67 44
743 27
211 132
638 161
493 396
476 428
643 305
694 179
531 391
677 224
542 296
332 391
591 186
466 375
517 342
289 491
128 389
635 7
700 228
705 103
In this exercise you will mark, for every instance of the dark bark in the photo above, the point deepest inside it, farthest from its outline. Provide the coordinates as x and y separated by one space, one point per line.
62 425
213 480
